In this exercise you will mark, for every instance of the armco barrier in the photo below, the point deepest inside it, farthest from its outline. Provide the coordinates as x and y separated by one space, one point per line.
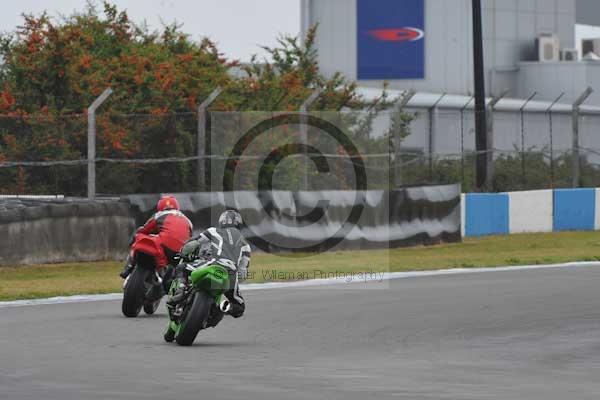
35 232
531 212
404 217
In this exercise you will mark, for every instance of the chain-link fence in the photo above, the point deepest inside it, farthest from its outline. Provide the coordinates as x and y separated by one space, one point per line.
541 146
134 154
43 154
534 148
297 151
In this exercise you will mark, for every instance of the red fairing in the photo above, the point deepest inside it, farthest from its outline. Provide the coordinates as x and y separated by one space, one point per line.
150 244
170 228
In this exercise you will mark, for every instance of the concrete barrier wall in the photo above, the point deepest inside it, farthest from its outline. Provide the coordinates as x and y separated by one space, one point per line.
486 214
403 217
54 232
531 212
574 210
37 231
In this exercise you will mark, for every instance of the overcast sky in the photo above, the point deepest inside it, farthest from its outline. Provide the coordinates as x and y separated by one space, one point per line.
238 26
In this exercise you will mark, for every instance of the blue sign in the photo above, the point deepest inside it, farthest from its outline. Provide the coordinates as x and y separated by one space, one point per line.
391 39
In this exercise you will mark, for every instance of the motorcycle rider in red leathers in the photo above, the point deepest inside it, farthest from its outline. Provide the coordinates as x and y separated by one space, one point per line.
169 228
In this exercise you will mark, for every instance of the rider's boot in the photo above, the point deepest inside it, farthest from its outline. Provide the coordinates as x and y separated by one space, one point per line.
128 269
178 295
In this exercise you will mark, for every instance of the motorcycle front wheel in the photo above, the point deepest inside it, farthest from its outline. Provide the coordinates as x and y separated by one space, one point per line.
135 290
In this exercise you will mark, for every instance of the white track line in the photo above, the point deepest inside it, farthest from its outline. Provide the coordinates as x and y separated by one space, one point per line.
374 278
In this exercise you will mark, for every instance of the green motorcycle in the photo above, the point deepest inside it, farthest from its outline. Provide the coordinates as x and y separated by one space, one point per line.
203 304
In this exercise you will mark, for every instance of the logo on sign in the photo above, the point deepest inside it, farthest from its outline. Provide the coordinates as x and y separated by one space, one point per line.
407 34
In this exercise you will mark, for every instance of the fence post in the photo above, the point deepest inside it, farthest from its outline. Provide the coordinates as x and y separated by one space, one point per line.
462 140
397 140
575 163
201 137
522 113
551 126
304 129
91 142
490 140
432 118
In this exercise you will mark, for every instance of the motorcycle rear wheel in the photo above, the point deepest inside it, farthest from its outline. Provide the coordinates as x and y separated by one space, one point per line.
135 290
195 319
150 308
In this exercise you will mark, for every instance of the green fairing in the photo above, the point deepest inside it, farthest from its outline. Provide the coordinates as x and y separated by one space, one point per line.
213 279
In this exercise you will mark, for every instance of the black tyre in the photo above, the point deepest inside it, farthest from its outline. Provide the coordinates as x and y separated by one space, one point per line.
195 319
150 308
135 290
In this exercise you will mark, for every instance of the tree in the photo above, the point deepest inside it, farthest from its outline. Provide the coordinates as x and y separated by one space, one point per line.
52 69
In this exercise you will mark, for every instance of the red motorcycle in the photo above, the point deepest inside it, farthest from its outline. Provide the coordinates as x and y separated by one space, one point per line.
143 288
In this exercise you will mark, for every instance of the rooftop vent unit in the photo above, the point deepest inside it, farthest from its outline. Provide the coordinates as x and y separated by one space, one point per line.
548 48
570 55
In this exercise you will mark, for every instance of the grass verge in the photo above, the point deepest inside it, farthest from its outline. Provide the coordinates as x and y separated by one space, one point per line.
26 282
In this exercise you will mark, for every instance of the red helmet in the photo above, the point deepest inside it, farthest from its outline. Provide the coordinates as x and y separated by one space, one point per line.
167 203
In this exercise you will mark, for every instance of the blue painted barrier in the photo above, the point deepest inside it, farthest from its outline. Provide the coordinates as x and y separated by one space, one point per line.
486 214
532 211
574 209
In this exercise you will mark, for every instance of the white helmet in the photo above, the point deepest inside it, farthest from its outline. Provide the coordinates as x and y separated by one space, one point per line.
230 219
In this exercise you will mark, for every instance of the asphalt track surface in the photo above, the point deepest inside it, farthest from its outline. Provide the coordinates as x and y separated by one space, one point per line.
531 334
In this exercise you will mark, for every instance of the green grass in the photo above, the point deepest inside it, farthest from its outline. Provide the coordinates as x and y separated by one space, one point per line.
27 282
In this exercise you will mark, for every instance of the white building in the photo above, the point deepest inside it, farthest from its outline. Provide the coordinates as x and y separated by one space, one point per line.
512 63
511 56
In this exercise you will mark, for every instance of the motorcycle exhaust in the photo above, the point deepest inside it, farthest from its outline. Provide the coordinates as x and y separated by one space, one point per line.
225 305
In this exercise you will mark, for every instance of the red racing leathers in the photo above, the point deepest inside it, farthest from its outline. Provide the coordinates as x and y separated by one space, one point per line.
162 236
